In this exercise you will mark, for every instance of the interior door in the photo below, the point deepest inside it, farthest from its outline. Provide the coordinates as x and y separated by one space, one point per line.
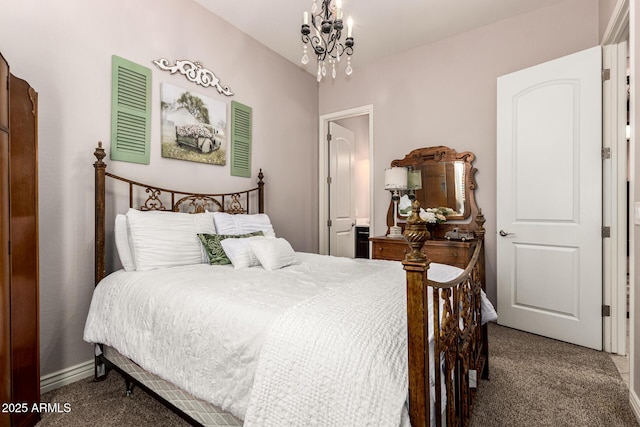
341 198
549 199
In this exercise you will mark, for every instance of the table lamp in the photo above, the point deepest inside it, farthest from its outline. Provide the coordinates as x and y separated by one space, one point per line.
414 182
395 179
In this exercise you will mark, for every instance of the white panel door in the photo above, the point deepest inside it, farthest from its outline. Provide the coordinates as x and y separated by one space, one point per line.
549 199
341 197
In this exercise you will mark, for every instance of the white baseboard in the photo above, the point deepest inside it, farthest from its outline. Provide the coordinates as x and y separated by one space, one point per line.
66 376
635 404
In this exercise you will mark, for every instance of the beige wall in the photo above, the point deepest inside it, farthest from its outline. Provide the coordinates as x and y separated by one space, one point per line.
606 8
63 49
444 93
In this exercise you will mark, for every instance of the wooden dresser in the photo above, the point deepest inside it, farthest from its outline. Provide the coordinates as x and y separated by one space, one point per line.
19 312
441 251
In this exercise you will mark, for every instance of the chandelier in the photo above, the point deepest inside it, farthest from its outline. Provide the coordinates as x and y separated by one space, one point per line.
326 38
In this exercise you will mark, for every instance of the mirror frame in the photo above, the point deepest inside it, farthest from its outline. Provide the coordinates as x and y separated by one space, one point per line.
438 154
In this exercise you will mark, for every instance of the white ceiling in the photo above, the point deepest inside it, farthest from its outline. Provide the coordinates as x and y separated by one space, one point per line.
381 28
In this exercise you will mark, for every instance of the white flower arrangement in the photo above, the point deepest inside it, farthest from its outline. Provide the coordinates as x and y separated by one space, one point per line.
435 215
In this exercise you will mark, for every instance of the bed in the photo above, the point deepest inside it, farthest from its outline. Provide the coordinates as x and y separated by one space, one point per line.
273 336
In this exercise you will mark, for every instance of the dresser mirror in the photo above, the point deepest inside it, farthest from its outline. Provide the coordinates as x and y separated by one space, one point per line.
447 180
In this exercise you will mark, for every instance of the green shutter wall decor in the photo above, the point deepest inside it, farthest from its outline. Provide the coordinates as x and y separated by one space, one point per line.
130 111
240 140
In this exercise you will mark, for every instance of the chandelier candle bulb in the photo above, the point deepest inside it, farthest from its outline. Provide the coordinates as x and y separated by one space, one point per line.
305 18
349 27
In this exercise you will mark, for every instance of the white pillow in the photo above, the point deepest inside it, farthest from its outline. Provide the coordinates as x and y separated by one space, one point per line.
273 253
239 251
166 239
243 224
123 243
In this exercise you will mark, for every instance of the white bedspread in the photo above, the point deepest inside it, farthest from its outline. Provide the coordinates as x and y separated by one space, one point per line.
202 328
352 359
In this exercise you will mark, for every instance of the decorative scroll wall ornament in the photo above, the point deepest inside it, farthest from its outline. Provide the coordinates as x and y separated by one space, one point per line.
194 72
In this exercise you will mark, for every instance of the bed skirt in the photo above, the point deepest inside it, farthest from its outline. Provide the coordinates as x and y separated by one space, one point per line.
199 410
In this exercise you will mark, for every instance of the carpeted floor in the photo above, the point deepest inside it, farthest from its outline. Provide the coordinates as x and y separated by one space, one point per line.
103 404
534 381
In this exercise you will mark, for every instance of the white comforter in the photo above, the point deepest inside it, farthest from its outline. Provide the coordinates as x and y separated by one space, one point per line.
352 359
202 328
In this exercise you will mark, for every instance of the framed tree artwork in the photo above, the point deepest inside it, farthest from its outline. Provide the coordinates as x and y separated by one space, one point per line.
193 126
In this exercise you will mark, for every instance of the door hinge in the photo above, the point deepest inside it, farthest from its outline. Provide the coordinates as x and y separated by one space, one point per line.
328 180
606 232
606 311
606 153
606 74
328 137
328 223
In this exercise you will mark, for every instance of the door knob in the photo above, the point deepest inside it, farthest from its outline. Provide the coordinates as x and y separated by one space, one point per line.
504 233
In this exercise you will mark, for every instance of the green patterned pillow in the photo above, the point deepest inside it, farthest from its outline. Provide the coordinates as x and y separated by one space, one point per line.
211 243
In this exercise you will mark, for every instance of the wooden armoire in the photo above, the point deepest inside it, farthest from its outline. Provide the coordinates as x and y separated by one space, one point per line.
19 311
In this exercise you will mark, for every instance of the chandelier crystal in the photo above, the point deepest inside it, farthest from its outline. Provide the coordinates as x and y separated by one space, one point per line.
327 26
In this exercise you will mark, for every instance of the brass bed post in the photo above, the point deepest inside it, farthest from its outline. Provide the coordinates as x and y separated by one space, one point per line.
100 168
480 232
260 192
99 368
416 265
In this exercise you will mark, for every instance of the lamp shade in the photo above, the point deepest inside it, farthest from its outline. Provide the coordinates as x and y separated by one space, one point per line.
414 180
395 178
